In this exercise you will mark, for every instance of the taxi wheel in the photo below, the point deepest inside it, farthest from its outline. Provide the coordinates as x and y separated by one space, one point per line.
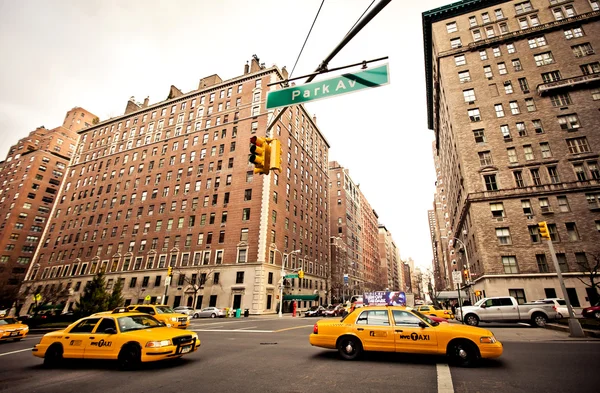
349 347
463 353
53 355
129 357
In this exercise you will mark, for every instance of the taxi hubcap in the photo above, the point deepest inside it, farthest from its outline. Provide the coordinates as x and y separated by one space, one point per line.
462 353
349 347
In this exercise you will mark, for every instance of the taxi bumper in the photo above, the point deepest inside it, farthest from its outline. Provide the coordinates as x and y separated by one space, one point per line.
13 334
489 351
168 352
323 341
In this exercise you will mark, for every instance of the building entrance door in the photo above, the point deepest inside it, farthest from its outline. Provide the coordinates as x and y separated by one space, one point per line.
237 301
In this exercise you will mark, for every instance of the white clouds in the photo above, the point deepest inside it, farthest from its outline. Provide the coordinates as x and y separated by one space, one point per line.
96 54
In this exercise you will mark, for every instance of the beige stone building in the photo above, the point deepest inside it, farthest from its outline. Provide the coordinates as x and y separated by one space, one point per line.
513 94
169 185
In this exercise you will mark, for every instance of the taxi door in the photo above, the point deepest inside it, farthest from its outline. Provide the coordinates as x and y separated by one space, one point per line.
100 344
410 337
75 340
375 331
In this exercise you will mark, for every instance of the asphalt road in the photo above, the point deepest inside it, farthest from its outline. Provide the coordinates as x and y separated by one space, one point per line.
272 355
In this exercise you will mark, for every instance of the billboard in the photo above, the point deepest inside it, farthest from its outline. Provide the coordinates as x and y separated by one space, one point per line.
382 298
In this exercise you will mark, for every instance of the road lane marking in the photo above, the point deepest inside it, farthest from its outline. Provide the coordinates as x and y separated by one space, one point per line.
231 330
10 353
444 379
248 327
291 328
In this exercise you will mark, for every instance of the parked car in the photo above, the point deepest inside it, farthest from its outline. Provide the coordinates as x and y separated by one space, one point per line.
315 311
560 305
209 312
592 312
435 311
506 309
189 311
335 311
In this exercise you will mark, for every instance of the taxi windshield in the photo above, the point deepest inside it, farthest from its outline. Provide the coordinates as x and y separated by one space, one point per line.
137 322
7 321
425 318
164 310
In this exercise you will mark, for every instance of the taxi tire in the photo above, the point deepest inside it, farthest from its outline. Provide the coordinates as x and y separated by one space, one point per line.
463 353
53 356
129 357
355 344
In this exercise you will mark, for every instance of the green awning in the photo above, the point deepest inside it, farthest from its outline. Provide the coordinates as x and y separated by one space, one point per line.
300 297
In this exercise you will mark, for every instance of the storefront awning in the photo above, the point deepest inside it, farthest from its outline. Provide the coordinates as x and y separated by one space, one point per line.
443 295
300 297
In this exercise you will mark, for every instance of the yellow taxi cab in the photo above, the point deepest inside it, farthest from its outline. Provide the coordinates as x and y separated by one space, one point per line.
166 314
435 311
130 337
402 329
12 329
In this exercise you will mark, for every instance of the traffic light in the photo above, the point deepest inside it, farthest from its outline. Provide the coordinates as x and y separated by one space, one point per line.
169 271
477 293
300 273
544 233
275 152
260 154
466 274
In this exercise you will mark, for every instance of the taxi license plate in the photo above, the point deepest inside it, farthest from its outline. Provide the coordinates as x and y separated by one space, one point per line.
14 333
186 349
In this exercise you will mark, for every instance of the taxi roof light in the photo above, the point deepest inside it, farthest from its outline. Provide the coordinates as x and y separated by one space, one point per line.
119 310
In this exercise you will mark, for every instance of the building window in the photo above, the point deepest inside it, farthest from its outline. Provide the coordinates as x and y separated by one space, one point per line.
485 158
596 94
563 203
562 262
553 175
514 107
503 235
523 7
593 200
479 136
487 70
502 68
543 59
510 264
594 171
535 177
518 294
517 66
536 42
545 205
508 89
574 32
526 205
490 182
460 60
530 104
512 155
591 68
483 54
561 99
519 179
455 43
496 51
451 27
464 76
572 231
524 87
578 145
469 95
505 131
497 209
521 129
582 50
474 114
542 263
239 278
534 233
537 126
499 110
527 149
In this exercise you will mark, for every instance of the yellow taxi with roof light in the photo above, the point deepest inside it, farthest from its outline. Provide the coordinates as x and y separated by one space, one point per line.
130 337
163 313
12 329
435 311
402 329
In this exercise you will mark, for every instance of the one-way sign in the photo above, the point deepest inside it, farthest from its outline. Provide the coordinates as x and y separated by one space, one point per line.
346 83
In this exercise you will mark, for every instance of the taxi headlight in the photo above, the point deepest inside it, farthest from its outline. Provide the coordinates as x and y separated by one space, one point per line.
487 340
174 319
1 331
158 344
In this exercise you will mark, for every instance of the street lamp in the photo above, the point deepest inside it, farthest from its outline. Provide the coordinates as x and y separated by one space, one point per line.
468 269
283 263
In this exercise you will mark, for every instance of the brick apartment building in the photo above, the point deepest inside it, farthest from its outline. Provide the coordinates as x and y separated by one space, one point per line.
391 274
30 178
513 98
169 184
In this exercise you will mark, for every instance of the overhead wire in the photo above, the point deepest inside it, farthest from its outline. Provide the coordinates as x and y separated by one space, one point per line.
306 39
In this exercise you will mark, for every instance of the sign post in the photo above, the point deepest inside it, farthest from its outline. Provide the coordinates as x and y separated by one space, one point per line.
346 83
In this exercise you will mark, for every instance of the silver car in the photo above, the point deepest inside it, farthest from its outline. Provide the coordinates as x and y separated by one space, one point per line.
209 312
189 311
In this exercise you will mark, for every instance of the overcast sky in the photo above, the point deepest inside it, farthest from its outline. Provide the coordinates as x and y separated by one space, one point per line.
96 54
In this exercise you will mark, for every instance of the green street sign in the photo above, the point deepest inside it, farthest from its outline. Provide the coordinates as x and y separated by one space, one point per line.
291 276
346 83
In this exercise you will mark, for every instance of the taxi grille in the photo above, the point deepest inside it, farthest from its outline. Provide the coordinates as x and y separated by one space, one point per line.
182 319
182 339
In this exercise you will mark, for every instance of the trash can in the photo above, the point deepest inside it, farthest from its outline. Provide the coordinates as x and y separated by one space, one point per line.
246 313
238 312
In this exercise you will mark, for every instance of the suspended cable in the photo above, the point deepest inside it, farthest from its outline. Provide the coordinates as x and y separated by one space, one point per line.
308 35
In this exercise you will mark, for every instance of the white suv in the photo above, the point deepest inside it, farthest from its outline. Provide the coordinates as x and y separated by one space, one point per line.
560 305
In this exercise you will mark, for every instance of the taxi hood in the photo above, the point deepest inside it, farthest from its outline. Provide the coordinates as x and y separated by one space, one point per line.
465 330
159 333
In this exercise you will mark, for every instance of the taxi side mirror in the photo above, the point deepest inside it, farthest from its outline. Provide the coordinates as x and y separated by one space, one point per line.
110 331
422 324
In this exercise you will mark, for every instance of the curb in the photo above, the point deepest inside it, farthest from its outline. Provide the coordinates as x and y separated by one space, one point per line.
561 328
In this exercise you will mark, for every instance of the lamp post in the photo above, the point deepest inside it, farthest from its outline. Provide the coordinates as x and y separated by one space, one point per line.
283 262
468 269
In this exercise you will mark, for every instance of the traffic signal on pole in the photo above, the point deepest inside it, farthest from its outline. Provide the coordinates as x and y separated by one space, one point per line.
170 271
260 154
466 274
477 293
275 154
544 233
300 273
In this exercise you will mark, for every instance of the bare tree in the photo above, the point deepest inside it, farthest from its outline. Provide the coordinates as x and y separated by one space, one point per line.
591 272
196 277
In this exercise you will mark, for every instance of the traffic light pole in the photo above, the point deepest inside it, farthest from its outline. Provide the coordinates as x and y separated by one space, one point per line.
574 326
